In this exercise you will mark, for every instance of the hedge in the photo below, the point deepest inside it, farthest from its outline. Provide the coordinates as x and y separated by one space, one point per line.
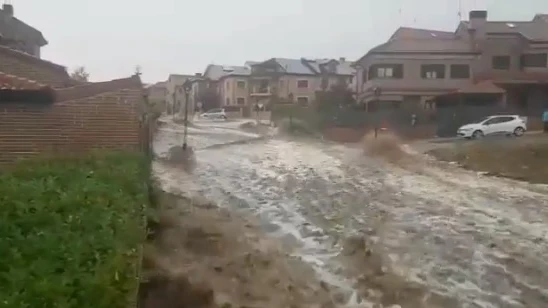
71 230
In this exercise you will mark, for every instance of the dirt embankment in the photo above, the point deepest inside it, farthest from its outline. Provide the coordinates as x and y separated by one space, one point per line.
521 161
202 256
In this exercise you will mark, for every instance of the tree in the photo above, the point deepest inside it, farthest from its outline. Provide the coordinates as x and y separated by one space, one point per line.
339 96
80 74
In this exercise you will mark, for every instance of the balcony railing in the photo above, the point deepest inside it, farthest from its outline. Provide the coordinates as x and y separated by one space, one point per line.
260 91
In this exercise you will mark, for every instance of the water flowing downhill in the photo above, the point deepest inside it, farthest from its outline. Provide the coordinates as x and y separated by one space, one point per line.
471 241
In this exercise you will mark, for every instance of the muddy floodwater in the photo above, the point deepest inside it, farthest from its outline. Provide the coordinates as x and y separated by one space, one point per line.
460 239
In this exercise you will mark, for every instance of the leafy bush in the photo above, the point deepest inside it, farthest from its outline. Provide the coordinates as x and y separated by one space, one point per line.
71 230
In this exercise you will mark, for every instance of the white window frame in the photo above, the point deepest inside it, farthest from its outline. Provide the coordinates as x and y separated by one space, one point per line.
385 72
432 75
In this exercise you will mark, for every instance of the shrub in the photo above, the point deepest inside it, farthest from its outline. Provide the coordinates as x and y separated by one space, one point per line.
71 229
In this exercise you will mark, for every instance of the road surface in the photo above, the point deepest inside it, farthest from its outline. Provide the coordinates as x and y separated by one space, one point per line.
451 237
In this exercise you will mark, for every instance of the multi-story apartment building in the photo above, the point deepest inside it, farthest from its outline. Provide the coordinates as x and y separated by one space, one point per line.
175 95
416 65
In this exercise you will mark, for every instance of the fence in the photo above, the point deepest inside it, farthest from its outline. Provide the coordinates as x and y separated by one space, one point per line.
352 118
443 121
112 121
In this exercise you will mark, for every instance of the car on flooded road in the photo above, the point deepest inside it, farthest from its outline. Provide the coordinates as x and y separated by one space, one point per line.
507 125
214 114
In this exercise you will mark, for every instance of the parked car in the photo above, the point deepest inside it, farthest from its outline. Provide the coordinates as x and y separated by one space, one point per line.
494 125
218 113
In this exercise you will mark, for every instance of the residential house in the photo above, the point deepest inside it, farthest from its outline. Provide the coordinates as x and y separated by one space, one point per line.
45 111
18 35
296 80
276 79
157 94
175 94
481 56
228 82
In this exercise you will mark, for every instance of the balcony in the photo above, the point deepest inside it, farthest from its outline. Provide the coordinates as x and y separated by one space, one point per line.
260 91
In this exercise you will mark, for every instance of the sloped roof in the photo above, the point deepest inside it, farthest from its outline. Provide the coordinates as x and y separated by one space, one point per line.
294 66
216 72
97 88
424 45
417 33
27 66
11 82
342 68
309 67
15 29
536 30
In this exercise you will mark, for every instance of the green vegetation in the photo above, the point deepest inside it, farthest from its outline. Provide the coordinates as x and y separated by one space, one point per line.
71 231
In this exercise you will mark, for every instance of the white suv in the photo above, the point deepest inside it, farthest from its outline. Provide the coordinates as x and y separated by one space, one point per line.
494 125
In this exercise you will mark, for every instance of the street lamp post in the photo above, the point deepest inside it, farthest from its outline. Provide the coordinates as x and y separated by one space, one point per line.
377 93
187 86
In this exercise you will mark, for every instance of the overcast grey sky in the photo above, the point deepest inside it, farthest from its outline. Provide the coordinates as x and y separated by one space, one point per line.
111 37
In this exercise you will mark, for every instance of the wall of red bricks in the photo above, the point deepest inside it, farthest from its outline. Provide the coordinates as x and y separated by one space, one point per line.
110 120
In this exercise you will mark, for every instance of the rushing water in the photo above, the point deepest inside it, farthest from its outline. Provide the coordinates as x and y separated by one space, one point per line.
480 241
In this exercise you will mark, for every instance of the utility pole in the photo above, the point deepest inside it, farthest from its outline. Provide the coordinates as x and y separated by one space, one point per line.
187 86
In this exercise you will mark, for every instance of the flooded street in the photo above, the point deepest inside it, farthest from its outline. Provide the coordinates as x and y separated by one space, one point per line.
446 237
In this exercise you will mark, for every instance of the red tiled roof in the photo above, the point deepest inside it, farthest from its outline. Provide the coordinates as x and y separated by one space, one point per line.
12 82
24 65
96 88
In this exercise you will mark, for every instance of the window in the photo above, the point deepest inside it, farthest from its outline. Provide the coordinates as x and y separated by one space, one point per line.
433 71
498 120
501 62
364 76
302 84
533 60
240 101
460 71
387 71
240 84
302 100
227 101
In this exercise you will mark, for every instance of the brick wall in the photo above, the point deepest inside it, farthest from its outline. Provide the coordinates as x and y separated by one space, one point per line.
110 120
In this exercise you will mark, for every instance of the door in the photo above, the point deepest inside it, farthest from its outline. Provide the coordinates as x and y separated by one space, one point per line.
491 126
501 125
506 125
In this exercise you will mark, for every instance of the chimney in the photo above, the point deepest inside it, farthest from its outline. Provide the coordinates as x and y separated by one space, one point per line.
478 19
342 59
8 9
